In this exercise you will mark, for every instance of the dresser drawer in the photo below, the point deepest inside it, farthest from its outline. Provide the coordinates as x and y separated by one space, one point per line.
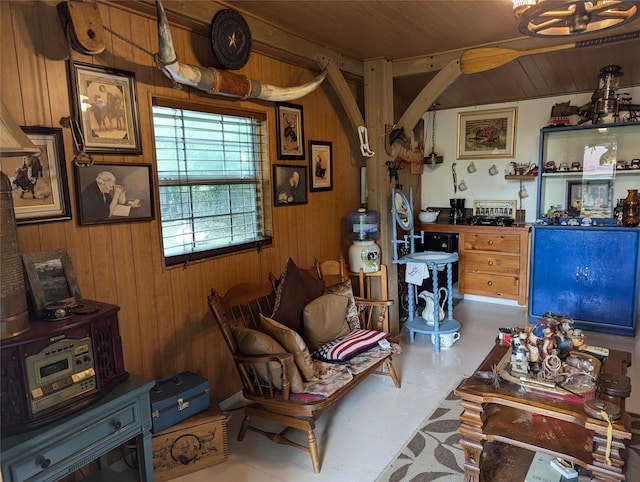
82 441
491 263
490 285
506 243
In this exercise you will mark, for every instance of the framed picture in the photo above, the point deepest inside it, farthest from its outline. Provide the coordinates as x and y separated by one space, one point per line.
487 134
589 199
39 183
320 166
114 193
51 280
107 108
290 132
289 185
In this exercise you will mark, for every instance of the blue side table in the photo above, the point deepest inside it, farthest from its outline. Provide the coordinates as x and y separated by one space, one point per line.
417 324
58 449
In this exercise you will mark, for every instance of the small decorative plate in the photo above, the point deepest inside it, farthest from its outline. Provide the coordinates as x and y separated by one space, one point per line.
230 39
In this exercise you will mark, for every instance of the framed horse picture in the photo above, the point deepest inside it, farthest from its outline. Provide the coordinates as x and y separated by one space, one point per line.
289 131
39 182
106 108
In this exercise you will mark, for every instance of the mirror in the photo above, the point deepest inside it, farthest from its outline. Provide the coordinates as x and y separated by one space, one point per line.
403 210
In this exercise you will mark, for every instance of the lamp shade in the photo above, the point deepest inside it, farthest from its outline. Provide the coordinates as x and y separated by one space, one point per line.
14 316
13 141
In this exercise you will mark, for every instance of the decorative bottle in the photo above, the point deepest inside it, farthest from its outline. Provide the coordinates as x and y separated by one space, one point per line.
630 206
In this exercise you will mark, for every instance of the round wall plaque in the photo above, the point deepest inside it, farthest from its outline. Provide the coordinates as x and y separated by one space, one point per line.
230 39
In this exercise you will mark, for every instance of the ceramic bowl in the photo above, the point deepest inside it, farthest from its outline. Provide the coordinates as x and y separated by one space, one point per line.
428 216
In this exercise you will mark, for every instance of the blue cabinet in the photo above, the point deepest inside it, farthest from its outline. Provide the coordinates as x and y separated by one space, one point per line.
589 274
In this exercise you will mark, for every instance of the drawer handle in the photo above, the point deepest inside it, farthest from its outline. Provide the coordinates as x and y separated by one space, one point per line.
489 283
43 462
490 263
491 242
117 424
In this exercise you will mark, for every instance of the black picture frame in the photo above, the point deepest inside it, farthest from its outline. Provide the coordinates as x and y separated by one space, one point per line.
320 166
94 208
52 280
39 183
285 192
598 204
289 131
106 106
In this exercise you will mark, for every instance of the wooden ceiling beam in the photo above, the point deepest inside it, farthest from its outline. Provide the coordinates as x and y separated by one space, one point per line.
267 39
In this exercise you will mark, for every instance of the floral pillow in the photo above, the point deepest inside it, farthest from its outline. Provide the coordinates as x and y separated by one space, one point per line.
345 289
292 343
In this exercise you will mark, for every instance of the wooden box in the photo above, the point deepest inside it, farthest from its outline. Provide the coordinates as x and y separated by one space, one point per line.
191 445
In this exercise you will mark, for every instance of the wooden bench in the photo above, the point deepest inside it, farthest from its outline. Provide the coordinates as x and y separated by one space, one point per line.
241 306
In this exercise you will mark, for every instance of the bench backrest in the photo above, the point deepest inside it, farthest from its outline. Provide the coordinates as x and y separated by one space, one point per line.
241 306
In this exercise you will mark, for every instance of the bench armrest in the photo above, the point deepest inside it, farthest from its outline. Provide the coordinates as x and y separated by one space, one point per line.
255 368
374 314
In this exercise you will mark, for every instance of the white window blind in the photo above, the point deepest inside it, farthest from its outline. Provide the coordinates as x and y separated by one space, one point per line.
212 178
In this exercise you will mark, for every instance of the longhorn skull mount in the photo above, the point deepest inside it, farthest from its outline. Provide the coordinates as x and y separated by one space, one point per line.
220 82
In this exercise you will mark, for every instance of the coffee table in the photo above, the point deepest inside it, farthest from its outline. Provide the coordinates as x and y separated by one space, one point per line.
503 427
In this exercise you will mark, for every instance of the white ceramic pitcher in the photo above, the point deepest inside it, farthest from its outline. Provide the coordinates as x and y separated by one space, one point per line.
428 312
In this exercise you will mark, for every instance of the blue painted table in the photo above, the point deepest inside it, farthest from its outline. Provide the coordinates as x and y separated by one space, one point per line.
416 324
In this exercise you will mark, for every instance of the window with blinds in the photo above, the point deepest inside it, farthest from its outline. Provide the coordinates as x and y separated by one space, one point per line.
213 180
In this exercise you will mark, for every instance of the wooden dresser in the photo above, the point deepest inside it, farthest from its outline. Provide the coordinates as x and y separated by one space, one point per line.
493 262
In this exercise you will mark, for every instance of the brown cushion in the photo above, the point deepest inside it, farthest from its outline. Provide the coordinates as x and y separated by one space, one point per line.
324 320
296 289
254 342
345 289
292 343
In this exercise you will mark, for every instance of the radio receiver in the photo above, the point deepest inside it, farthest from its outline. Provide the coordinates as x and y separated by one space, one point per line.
59 366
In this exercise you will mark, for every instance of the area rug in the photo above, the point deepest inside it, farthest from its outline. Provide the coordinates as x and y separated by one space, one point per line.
433 452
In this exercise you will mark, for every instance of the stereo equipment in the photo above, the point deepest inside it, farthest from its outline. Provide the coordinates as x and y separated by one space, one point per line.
60 366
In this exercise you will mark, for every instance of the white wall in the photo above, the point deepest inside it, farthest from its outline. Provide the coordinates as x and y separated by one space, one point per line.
532 115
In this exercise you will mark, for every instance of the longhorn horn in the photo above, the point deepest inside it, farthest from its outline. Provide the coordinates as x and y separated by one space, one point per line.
221 82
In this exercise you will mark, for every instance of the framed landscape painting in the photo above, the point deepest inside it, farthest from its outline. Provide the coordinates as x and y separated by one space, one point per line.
487 134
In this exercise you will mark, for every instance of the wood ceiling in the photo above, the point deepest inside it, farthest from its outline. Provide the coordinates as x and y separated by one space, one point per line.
419 37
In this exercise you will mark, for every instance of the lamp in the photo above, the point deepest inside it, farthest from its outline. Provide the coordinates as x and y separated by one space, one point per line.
14 316
553 18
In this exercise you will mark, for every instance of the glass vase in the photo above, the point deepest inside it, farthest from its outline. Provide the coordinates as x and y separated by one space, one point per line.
630 207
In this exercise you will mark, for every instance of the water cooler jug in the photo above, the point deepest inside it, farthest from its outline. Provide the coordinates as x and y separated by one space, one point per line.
362 228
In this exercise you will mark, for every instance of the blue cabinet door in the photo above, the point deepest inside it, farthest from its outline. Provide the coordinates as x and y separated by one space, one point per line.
609 277
591 275
556 256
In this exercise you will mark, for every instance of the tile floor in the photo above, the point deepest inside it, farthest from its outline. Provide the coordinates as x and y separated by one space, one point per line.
363 433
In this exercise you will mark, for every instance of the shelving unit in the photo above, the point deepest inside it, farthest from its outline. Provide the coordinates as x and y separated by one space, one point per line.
594 279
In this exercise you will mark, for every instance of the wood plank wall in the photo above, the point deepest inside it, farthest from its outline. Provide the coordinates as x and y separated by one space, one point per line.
164 319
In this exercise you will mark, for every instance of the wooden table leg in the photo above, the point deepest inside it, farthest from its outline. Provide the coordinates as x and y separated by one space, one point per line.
472 442
604 471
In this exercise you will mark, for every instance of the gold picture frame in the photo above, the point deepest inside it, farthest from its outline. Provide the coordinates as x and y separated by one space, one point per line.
106 106
487 134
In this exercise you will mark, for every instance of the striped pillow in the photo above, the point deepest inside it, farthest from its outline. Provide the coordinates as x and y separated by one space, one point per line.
345 348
